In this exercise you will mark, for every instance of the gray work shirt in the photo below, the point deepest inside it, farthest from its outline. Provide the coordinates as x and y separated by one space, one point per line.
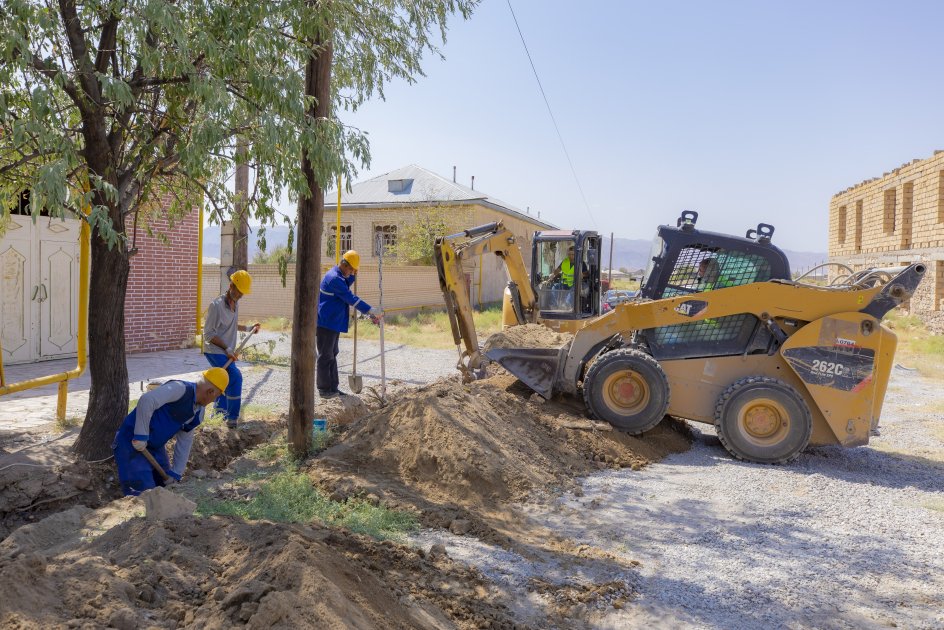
220 322
154 400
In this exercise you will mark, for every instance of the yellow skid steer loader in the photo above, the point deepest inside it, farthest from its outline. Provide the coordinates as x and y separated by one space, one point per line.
722 335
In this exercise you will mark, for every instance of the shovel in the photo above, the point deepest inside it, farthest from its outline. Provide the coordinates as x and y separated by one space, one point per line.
355 382
152 385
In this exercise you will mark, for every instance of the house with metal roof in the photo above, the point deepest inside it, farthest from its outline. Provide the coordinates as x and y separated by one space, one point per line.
378 210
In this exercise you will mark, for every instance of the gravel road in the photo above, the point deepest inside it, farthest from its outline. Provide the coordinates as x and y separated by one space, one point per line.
405 366
841 538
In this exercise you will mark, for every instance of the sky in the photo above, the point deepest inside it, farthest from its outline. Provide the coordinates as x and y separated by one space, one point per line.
745 111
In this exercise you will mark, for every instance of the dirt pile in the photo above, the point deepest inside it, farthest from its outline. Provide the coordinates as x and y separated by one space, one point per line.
220 572
48 477
527 336
455 451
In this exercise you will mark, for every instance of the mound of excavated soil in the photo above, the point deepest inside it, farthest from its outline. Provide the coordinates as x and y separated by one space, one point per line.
220 572
46 478
527 336
462 451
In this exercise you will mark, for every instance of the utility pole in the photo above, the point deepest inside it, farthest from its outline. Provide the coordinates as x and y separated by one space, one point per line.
609 278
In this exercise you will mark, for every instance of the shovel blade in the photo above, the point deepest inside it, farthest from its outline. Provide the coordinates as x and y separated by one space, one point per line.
356 383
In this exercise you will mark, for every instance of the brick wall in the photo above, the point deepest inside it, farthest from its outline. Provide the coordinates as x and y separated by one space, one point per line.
893 220
405 288
160 306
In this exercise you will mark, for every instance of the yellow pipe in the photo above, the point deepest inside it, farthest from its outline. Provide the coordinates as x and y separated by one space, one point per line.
81 342
198 334
479 290
337 229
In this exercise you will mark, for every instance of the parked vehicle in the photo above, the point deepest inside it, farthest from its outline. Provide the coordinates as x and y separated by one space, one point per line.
616 296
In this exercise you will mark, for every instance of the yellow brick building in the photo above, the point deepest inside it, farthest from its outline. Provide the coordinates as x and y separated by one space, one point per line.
385 204
894 220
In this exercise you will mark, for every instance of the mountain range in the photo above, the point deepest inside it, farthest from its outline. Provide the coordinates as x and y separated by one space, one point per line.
632 254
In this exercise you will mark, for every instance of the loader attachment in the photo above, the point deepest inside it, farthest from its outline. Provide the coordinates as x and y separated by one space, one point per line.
538 368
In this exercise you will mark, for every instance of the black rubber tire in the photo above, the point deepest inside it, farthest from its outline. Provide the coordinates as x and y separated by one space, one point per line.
639 369
781 406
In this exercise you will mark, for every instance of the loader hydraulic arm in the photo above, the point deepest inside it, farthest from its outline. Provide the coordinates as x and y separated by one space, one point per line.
450 251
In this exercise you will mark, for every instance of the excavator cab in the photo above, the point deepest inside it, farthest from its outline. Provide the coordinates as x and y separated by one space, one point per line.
565 274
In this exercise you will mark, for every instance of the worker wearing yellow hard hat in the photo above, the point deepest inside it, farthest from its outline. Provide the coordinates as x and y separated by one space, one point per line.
219 342
172 411
334 302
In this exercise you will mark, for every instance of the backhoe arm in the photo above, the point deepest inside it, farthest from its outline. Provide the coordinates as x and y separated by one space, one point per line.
450 251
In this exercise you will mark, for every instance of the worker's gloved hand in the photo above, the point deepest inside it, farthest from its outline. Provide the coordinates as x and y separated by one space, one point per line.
376 313
256 328
139 445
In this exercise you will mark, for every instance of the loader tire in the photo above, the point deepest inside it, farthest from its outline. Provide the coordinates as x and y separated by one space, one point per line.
764 420
628 389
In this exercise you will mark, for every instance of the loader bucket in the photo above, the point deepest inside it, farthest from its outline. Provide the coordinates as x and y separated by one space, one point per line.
535 367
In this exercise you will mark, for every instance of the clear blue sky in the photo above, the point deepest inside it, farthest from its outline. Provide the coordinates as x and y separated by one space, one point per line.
744 111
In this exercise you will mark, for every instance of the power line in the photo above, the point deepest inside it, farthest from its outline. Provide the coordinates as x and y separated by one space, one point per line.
553 120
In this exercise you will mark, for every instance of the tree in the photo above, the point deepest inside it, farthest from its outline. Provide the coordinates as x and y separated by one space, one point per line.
416 239
278 254
110 104
355 47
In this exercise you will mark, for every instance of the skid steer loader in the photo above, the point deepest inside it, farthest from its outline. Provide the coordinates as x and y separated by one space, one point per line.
721 335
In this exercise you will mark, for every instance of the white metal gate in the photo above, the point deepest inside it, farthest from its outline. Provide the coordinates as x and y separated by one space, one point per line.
39 280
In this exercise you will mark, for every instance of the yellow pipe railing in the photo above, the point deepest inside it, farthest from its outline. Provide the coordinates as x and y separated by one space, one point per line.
198 334
81 351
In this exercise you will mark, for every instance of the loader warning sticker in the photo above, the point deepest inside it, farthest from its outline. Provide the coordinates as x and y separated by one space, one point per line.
691 308
840 367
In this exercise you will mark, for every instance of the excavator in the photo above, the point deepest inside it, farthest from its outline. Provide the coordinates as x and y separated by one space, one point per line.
551 300
721 334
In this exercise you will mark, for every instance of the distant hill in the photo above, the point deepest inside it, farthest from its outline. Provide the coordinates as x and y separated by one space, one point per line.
630 253
633 254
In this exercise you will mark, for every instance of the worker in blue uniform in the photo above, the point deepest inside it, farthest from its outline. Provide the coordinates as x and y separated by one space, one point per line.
174 409
334 302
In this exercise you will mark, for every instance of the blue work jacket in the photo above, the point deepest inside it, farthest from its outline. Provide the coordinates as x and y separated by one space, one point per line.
335 298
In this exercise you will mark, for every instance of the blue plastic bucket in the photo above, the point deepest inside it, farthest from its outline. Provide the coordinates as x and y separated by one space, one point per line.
319 424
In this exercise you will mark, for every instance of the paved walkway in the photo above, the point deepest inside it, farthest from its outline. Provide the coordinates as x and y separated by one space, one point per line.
262 384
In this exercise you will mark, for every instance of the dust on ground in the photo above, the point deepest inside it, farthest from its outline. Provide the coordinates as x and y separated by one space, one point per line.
456 451
527 336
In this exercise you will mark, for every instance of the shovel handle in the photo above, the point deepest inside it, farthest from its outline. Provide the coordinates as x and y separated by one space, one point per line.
240 347
153 462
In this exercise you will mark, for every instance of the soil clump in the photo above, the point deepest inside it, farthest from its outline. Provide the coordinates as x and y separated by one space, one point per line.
527 336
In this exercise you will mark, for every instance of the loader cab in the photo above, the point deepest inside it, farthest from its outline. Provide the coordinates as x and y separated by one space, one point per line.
565 274
685 260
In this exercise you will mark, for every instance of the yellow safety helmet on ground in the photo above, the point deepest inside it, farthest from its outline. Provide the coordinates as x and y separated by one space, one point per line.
352 258
217 377
243 281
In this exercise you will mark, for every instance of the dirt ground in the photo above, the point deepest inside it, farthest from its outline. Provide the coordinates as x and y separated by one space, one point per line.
527 336
458 456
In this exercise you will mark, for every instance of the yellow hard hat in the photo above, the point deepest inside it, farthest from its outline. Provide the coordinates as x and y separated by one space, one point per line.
217 377
243 281
352 258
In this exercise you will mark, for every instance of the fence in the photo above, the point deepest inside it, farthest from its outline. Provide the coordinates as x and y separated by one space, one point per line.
405 288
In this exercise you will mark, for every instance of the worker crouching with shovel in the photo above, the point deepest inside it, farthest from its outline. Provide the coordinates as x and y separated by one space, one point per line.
174 409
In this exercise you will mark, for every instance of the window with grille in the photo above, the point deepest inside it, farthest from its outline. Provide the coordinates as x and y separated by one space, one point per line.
347 241
700 269
385 239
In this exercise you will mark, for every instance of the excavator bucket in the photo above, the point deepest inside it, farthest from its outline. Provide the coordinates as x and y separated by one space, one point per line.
535 367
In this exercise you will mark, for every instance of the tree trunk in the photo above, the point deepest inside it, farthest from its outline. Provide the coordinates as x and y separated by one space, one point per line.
240 211
108 396
308 268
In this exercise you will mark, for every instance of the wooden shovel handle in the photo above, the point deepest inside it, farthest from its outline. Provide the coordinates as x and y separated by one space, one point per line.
157 467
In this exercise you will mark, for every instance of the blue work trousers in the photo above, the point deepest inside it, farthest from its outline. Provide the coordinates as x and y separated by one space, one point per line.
231 400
